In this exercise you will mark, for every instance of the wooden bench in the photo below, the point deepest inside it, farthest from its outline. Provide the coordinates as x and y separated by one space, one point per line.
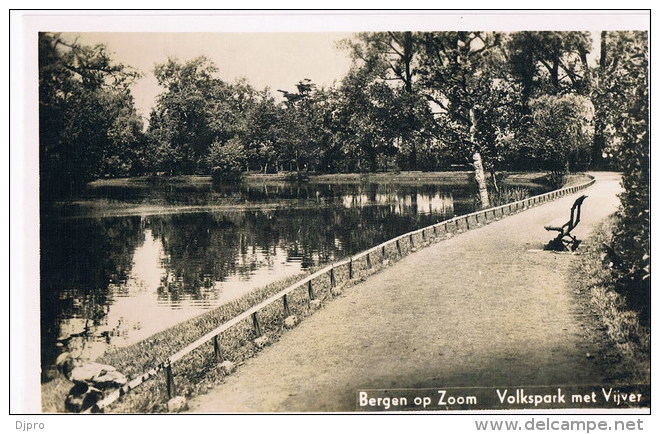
564 241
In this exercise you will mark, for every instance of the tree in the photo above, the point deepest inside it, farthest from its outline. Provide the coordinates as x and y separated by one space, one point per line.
600 100
561 131
464 76
180 125
550 62
257 130
393 58
226 160
87 118
365 127
621 53
125 154
330 124
299 129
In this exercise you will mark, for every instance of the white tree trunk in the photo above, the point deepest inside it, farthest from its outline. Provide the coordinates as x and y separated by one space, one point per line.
479 173
480 176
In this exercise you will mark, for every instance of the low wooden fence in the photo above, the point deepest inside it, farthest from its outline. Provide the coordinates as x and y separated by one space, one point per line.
330 277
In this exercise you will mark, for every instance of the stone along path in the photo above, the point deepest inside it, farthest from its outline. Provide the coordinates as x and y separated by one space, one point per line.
484 308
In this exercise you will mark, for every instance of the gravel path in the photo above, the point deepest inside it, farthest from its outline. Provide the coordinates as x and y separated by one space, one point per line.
485 308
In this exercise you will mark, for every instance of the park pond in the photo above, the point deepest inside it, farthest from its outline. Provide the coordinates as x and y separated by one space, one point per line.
128 260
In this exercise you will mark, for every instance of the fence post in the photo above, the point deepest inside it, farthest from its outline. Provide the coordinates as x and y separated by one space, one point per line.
467 223
169 378
398 247
350 268
332 276
383 251
424 235
256 324
435 231
310 290
217 349
285 302
368 260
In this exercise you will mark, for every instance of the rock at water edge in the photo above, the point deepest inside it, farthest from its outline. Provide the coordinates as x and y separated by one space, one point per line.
98 375
262 341
290 321
177 404
227 367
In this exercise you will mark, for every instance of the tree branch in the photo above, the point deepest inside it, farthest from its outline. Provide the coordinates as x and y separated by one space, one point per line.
400 54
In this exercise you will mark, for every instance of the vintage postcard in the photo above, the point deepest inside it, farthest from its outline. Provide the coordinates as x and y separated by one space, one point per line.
334 212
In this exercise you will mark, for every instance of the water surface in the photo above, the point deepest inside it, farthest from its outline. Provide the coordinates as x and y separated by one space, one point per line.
112 281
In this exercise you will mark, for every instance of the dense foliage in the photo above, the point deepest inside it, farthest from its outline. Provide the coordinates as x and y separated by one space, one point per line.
227 160
560 132
628 120
88 126
411 101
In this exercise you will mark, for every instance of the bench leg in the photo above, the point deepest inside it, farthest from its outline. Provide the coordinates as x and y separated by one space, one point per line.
572 243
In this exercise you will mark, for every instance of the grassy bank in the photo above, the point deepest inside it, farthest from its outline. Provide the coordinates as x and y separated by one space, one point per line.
452 177
575 179
630 340
201 180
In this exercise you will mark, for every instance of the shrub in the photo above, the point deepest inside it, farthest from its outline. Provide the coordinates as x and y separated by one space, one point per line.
227 161
561 131
632 235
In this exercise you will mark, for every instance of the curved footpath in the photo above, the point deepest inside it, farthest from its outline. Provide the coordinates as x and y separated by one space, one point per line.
484 308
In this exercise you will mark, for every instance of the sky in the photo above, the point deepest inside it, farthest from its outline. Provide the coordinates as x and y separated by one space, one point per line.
274 60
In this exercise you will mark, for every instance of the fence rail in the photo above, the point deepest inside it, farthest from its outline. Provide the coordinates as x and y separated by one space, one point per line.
459 223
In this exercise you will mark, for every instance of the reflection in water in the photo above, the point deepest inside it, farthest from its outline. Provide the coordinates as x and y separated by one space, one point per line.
439 203
113 281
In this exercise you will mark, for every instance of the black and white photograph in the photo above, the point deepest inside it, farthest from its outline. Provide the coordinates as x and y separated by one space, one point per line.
367 212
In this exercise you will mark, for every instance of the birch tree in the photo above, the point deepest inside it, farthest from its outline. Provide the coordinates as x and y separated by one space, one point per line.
463 75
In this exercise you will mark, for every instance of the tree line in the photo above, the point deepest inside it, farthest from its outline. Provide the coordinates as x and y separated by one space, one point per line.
411 101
